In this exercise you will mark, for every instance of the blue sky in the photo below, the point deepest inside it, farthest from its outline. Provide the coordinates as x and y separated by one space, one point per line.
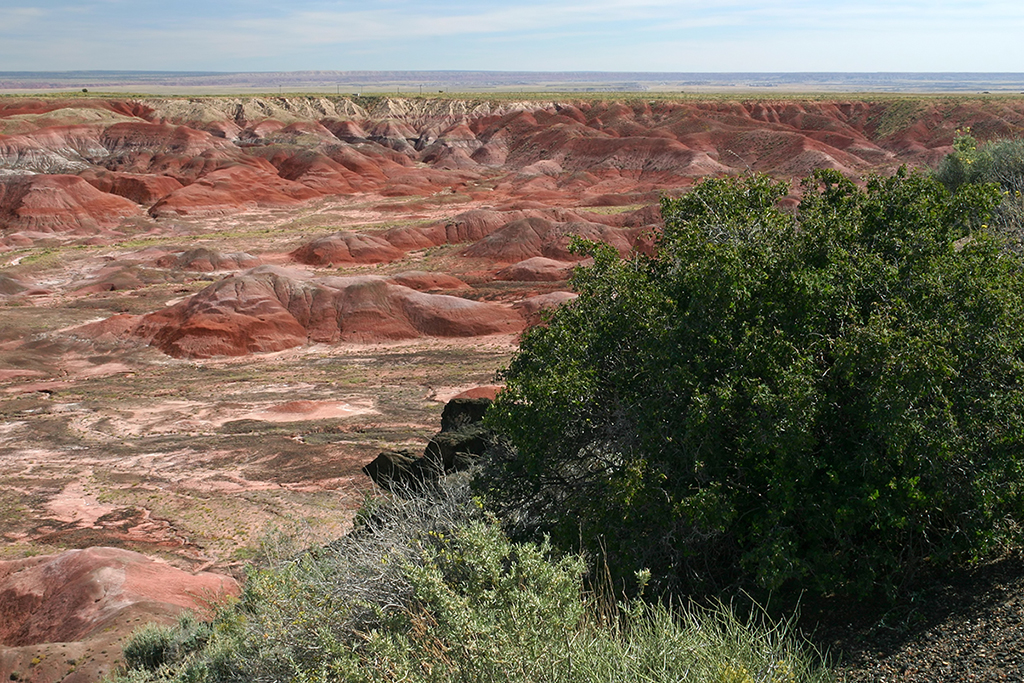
551 35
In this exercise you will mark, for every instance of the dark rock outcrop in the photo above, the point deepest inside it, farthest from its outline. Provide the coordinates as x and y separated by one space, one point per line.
463 438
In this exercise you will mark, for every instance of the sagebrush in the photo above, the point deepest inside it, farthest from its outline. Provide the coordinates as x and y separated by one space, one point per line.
430 589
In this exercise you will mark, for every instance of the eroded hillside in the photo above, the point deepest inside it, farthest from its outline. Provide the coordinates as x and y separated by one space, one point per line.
214 311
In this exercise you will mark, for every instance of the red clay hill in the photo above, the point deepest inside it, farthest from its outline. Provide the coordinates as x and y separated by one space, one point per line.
61 616
271 308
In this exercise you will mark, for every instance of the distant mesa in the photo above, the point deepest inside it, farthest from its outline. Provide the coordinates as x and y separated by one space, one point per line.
205 260
612 84
271 309
347 247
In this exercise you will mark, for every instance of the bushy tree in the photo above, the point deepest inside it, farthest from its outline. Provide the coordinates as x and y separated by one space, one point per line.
824 400
998 161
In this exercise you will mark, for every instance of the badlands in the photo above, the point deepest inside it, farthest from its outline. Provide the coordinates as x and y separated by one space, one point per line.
215 311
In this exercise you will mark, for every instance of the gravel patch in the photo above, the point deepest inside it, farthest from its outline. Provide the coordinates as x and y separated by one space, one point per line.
962 626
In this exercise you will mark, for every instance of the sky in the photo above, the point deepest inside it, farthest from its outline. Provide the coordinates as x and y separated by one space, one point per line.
511 35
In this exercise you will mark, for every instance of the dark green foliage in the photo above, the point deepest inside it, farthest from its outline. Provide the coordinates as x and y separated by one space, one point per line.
816 402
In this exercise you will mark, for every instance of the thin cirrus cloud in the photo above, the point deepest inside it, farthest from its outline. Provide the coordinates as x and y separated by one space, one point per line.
401 20
619 35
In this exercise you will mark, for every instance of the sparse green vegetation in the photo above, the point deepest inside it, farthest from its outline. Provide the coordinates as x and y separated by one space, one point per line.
429 589
898 114
1000 162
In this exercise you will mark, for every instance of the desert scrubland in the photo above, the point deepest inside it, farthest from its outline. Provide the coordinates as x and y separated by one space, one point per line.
214 311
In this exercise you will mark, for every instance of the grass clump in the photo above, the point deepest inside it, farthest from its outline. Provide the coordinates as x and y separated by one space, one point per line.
430 589
154 646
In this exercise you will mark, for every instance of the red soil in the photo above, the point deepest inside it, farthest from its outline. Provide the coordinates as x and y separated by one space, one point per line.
206 260
271 309
489 391
73 595
532 237
62 617
536 269
582 153
428 282
346 247
141 189
48 203
533 308
233 189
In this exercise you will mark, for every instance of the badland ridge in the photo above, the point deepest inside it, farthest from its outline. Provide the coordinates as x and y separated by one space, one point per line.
215 310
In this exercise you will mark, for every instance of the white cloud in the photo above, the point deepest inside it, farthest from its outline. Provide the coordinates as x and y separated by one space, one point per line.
14 19
556 35
396 23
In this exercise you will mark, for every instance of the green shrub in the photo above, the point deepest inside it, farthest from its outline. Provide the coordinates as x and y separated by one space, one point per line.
819 402
998 161
482 609
149 647
434 591
154 647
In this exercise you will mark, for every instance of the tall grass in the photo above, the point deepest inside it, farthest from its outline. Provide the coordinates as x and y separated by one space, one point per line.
429 589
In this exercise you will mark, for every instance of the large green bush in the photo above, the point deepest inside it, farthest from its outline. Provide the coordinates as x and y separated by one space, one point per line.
998 161
823 401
